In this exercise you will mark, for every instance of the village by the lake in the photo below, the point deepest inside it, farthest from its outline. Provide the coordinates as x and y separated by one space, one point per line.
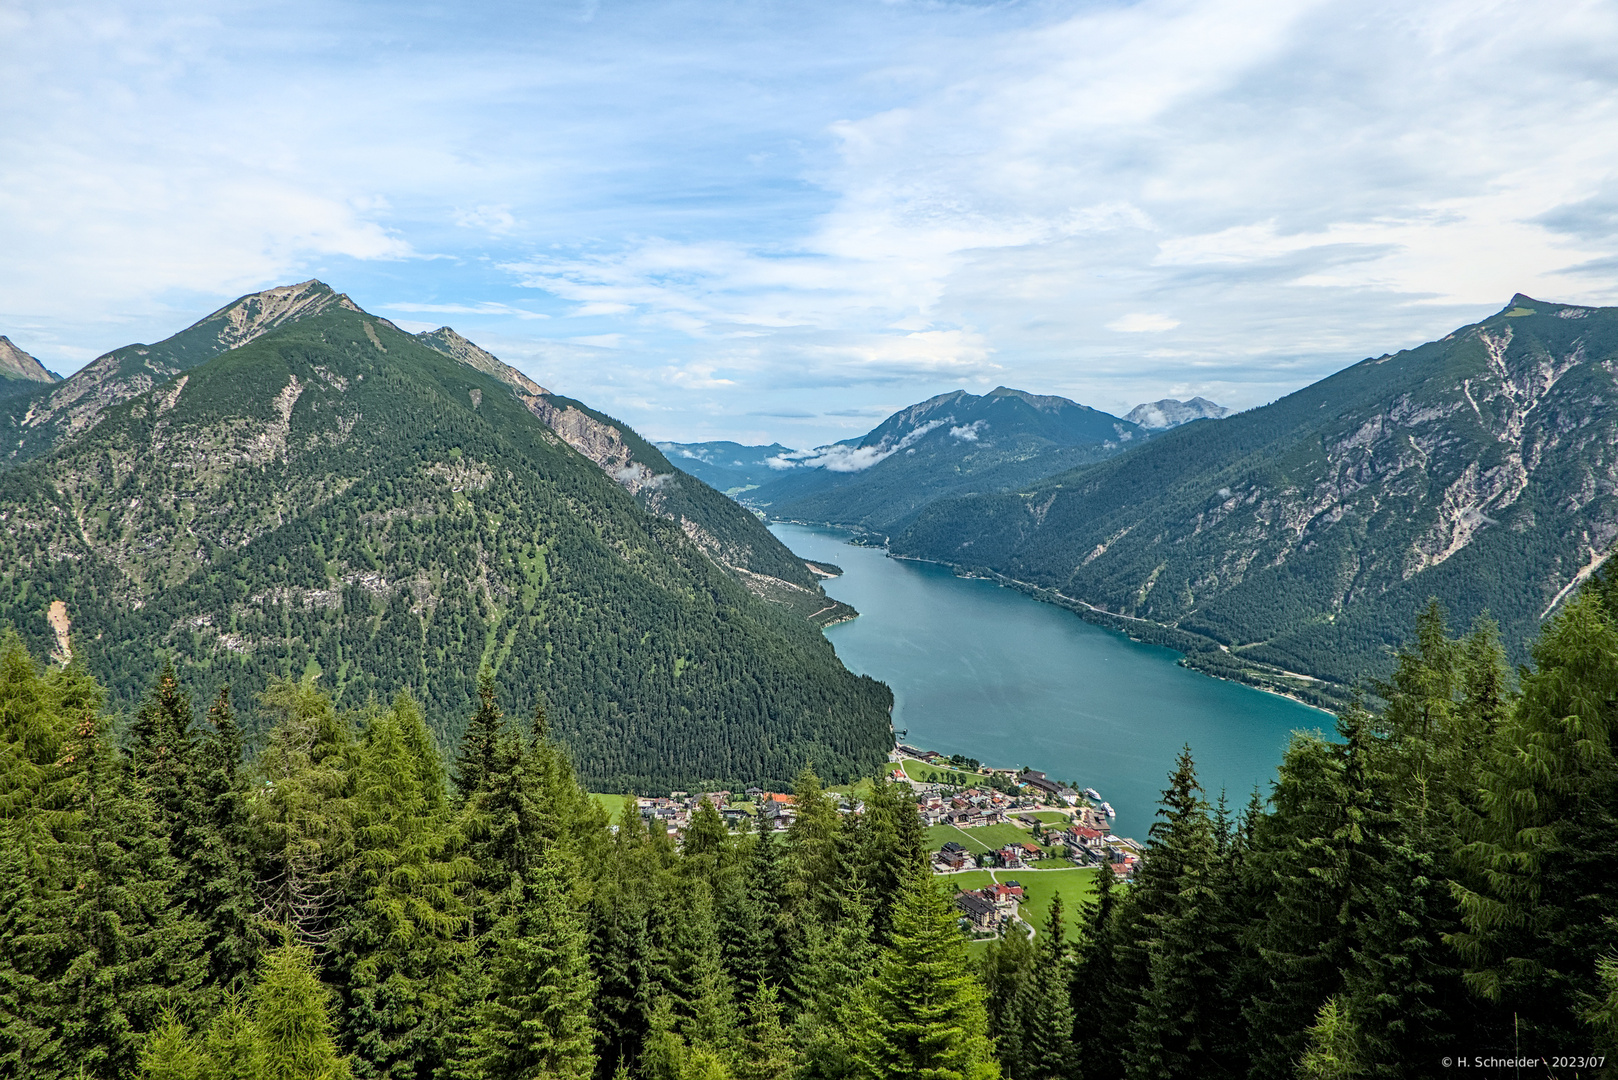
1008 840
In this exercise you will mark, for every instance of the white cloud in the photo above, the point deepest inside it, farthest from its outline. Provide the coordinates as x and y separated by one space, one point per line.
847 459
968 432
905 199
494 219
1142 323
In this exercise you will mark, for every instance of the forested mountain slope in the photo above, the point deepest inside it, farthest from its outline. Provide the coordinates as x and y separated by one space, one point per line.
947 445
1479 469
339 497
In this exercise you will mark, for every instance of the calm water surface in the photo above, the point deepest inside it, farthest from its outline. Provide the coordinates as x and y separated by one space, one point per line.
987 672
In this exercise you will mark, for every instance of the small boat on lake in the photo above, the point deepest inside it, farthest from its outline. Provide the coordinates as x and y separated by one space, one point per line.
1106 808
1092 794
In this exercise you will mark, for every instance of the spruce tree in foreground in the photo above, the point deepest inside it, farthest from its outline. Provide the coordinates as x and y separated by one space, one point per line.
927 1016
537 1021
292 1019
1539 902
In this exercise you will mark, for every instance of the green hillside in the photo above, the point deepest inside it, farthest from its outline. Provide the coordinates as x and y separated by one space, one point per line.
951 444
341 499
1303 535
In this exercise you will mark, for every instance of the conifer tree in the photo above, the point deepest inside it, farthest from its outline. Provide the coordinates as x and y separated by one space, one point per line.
221 863
1302 943
1173 1033
766 1051
162 753
895 848
537 1021
301 814
1333 1047
404 938
742 909
926 1010
1096 989
838 956
812 849
1043 1008
171 1053
112 946
1535 906
1008 963
292 1019
479 743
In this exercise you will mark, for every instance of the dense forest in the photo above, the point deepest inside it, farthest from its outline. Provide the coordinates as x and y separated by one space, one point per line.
338 498
1435 880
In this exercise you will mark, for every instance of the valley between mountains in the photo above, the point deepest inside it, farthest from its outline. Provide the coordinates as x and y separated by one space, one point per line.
1289 545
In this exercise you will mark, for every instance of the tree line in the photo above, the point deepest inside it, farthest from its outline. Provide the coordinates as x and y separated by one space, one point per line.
1433 879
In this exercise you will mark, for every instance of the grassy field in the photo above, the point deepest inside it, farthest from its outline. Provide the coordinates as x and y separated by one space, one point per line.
1039 887
612 804
1049 817
977 841
933 774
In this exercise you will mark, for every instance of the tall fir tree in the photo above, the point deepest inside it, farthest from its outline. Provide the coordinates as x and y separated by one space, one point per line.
1175 1031
291 1019
222 862
404 935
479 744
1537 900
302 813
113 943
537 1019
926 1015
1043 1007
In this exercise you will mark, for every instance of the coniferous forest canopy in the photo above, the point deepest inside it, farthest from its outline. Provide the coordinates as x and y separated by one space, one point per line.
1429 880
335 497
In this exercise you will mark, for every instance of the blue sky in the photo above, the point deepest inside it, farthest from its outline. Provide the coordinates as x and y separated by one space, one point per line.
781 221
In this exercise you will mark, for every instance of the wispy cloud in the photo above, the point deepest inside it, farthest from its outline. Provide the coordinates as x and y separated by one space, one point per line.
838 208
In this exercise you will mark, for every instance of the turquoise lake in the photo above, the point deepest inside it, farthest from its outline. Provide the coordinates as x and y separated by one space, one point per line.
990 673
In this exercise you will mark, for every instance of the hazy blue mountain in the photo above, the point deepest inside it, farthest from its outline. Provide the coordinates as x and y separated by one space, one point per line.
728 466
947 445
340 499
1481 469
1167 413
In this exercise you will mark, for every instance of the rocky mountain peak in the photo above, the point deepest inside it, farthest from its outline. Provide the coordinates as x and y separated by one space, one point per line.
256 314
1168 413
16 364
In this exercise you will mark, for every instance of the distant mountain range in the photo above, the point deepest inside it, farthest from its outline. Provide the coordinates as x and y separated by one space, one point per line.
1161 415
731 467
1302 536
294 486
952 444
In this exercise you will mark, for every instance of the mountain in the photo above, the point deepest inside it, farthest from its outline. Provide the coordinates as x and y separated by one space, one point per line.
947 445
21 373
728 466
1167 413
65 409
332 496
1301 537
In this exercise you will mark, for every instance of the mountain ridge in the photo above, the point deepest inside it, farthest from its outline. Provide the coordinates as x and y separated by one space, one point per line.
1300 536
948 444
336 498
